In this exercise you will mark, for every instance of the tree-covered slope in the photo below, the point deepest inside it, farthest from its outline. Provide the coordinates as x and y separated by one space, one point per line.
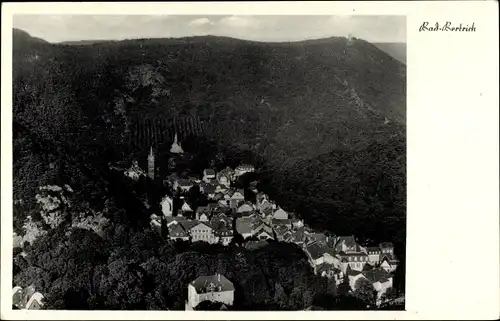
325 119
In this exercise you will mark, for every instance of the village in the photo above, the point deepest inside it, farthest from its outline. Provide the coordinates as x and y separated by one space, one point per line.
229 215
231 218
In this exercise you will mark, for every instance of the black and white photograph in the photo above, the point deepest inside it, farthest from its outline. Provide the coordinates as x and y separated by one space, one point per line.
209 162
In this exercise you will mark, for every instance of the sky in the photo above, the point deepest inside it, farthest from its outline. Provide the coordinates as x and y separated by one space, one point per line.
57 28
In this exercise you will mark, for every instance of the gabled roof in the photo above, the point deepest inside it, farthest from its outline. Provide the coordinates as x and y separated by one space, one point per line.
349 241
201 223
391 259
317 250
245 208
281 229
218 282
176 230
240 194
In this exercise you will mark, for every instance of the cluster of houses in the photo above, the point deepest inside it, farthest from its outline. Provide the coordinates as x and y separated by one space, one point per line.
27 298
229 213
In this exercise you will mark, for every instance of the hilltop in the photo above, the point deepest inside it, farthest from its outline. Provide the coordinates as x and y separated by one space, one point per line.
396 50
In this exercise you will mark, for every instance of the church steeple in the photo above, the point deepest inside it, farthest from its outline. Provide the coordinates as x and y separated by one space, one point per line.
151 164
176 147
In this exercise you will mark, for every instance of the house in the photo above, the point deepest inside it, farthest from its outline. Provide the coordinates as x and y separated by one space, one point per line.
167 206
135 172
202 232
155 223
183 184
280 214
373 254
388 262
177 232
202 210
223 232
325 270
260 199
354 276
354 260
225 176
346 244
186 209
208 175
298 237
236 198
316 237
263 232
245 208
297 223
243 169
319 253
214 288
386 248
208 190
27 298
280 231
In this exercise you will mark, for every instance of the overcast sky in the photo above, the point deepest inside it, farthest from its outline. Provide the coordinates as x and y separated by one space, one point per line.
56 28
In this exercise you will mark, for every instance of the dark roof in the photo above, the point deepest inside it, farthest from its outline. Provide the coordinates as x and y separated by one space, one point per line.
184 182
377 275
390 258
221 229
189 224
348 240
373 249
176 230
325 267
279 222
316 250
209 171
352 272
203 209
218 282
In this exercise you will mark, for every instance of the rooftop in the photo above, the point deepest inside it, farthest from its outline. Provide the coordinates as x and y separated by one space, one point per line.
215 283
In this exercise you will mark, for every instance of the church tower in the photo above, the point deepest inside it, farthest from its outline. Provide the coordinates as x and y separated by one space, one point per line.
176 147
151 164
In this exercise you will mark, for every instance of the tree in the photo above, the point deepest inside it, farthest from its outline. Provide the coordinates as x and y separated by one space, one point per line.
365 292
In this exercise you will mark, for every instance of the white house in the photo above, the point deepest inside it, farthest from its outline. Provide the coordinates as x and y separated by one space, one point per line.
202 232
167 206
214 288
208 175
243 169
27 299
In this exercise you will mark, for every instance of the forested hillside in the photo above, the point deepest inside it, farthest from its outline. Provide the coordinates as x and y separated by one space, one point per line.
325 121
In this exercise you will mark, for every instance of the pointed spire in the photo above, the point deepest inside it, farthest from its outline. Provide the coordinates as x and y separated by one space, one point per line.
151 152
